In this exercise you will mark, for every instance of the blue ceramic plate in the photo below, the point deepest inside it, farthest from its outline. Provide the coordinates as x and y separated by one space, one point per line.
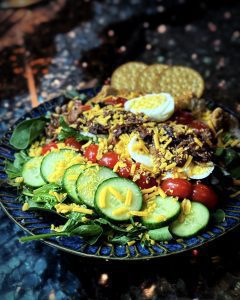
39 222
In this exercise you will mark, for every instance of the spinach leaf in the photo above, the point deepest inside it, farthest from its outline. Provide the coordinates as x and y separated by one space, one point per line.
67 131
90 232
14 169
87 230
45 189
74 219
235 172
219 151
218 216
41 198
111 225
226 137
75 95
26 132
230 156
121 239
227 160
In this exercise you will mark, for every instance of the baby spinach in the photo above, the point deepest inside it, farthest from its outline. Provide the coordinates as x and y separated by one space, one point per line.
218 216
229 159
120 239
87 231
26 132
40 197
67 131
75 95
14 169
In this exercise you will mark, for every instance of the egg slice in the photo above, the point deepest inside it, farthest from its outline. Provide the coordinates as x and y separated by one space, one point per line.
139 152
158 107
199 171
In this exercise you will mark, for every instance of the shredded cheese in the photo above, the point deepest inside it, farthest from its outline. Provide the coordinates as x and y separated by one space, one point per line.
120 211
139 213
102 201
115 193
128 200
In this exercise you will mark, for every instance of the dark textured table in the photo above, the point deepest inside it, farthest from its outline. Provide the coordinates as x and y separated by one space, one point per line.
59 45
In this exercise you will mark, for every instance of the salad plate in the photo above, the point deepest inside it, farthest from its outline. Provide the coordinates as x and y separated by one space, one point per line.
35 222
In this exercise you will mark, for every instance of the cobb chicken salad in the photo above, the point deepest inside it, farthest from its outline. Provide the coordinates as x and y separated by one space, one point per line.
128 165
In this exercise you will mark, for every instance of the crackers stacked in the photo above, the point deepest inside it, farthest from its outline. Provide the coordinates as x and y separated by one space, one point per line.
182 83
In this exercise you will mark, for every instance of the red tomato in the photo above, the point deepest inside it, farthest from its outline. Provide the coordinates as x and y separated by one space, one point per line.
71 141
205 195
177 187
183 117
198 125
146 182
85 107
125 171
91 152
109 159
49 147
112 101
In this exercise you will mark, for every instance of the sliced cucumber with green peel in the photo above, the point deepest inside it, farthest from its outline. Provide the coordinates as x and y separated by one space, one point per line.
89 180
162 212
70 179
161 234
116 197
192 223
32 172
55 163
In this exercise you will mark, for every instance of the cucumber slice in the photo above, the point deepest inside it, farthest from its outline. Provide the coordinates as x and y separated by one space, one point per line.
55 163
70 179
116 197
31 172
193 223
161 234
163 211
88 182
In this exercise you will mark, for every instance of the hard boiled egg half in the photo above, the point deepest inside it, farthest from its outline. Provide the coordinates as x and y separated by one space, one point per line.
158 107
199 171
194 171
139 152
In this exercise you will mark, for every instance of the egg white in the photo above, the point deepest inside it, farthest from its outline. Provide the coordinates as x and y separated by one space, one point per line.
158 107
144 159
199 171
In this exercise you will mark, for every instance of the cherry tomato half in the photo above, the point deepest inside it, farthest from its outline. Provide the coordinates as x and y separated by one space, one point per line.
177 187
183 117
198 125
125 171
146 182
109 159
119 100
91 152
71 141
49 147
204 194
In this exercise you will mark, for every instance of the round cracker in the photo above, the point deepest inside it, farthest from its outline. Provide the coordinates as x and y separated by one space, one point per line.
146 82
181 82
125 76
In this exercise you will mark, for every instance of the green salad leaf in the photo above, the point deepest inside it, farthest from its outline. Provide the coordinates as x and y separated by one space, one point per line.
26 132
90 232
229 160
218 216
75 95
67 131
14 168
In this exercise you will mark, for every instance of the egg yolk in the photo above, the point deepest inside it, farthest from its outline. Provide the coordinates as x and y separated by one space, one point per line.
148 103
